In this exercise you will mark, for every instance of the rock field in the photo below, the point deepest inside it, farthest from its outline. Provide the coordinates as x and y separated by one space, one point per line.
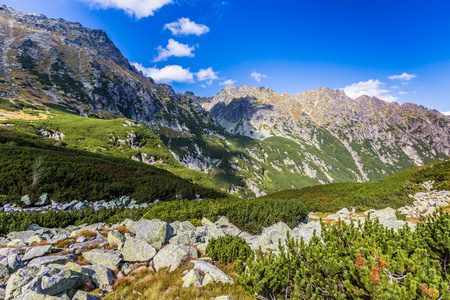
62 263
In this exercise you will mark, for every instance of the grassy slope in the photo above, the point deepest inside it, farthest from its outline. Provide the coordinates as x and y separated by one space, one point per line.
102 136
391 191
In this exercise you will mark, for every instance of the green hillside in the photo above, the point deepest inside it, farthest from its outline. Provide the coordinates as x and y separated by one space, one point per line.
391 191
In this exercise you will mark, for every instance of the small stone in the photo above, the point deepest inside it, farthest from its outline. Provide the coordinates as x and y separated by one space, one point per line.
192 278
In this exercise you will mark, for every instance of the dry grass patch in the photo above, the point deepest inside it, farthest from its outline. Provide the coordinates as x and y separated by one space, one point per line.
148 285
123 230
81 261
104 231
64 243
87 233
41 243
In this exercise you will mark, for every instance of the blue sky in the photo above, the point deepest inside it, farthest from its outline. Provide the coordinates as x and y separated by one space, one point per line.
398 50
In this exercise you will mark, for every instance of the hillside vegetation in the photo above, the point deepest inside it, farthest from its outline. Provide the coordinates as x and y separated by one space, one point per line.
391 191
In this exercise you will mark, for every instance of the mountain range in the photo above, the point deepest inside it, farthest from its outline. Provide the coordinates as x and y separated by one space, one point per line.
249 141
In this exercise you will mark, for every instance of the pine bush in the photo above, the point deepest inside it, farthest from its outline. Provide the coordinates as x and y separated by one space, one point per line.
228 249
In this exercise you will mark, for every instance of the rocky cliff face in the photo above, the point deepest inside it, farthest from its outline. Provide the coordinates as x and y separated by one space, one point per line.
249 140
55 60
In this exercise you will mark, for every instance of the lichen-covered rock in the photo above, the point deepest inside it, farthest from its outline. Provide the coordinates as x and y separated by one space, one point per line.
115 237
155 232
58 280
172 255
81 295
57 259
38 251
20 279
43 198
213 230
102 277
107 258
32 295
214 274
184 238
223 298
26 200
306 231
137 250
192 278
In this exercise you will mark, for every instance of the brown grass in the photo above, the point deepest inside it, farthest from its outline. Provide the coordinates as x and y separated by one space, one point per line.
111 246
87 233
41 243
92 246
104 231
81 261
148 285
64 243
123 230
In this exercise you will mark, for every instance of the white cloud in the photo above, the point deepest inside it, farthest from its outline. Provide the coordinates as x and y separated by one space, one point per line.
405 76
184 26
167 74
228 82
371 88
447 113
403 92
207 74
174 49
136 8
257 76
395 87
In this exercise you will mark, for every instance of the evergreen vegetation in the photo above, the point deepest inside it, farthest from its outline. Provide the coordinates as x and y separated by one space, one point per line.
354 261
228 249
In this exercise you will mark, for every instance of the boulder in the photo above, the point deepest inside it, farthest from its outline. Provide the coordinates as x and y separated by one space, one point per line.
115 237
26 200
227 227
306 231
46 260
215 274
82 295
223 298
18 280
192 278
154 232
58 280
38 251
42 200
184 238
137 250
107 258
102 277
341 214
172 255
213 230
9 251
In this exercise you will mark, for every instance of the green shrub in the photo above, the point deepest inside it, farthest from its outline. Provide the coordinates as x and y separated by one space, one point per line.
349 263
228 249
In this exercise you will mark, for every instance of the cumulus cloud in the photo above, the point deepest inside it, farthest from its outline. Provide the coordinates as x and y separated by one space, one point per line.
371 88
404 77
136 8
257 76
447 113
228 82
174 49
402 92
167 74
207 75
184 26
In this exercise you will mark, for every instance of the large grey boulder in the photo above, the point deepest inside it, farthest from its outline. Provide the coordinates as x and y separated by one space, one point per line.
137 250
46 260
58 280
306 231
29 294
107 258
20 281
192 278
155 232
9 251
341 214
42 200
227 227
102 277
184 238
115 237
172 255
38 251
26 200
212 273
387 218
213 230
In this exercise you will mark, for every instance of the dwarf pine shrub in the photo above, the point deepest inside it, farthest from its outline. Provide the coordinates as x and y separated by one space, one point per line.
228 249
353 261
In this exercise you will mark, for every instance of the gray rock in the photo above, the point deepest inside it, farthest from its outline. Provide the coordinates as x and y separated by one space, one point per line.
20 279
154 232
115 237
137 250
55 281
214 273
102 277
26 200
192 278
42 200
38 251
213 230
184 238
81 295
227 227
172 255
45 260
341 214
306 231
9 251
223 298
107 258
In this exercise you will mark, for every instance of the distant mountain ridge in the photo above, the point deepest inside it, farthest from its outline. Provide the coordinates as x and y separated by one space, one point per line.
249 140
